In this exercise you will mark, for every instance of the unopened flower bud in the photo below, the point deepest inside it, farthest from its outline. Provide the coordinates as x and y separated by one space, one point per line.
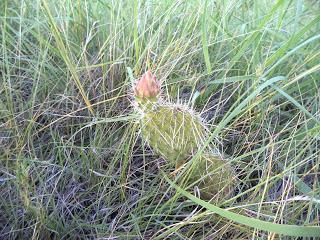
147 86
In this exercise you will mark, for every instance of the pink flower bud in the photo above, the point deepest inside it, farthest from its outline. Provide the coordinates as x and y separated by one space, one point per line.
147 86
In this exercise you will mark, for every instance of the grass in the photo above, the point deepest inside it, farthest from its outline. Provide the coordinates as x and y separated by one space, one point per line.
72 163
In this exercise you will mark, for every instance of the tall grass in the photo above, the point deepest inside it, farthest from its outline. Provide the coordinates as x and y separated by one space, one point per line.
72 164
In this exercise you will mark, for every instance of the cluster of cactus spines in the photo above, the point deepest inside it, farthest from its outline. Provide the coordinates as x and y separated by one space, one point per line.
176 133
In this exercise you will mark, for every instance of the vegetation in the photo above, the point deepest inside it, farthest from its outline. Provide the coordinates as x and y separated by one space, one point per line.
73 164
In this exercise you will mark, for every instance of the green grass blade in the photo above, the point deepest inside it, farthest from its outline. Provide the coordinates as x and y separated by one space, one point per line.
204 33
291 52
255 34
136 29
284 229
65 56
291 42
295 102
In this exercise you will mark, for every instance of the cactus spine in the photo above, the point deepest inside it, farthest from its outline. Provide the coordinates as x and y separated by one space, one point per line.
176 133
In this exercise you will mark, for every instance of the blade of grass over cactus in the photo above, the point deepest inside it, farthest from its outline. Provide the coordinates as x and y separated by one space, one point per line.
284 229
288 169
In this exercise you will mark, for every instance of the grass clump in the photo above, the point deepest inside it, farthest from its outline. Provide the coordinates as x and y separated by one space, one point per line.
72 163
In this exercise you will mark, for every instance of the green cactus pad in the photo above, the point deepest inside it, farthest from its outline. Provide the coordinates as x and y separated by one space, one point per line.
214 176
173 132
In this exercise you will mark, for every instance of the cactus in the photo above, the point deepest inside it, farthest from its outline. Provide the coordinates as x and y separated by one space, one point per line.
215 176
172 132
176 133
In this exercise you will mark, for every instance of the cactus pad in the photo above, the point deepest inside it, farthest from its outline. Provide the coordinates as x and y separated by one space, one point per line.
172 132
176 133
215 176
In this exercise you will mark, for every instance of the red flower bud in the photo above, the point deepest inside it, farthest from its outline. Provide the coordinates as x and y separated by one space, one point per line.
147 86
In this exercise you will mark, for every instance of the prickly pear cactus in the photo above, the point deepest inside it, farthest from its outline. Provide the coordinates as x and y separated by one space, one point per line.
214 176
173 132
176 133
